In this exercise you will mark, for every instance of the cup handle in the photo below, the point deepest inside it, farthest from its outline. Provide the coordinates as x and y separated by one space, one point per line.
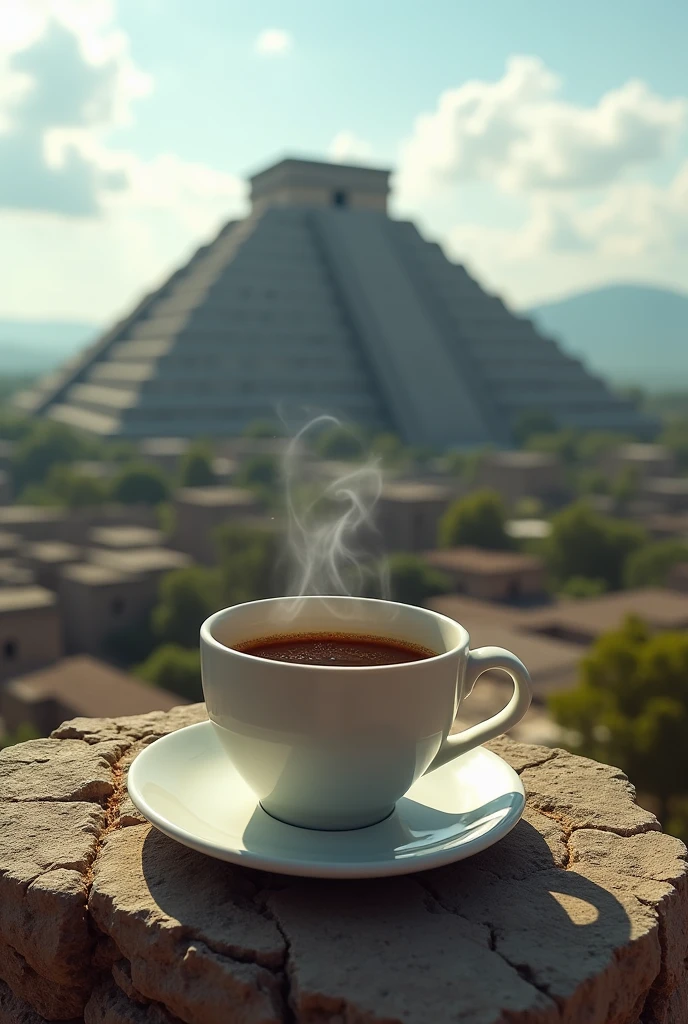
482 660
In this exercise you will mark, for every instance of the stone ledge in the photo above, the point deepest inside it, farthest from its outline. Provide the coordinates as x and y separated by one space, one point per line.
46 771
581 913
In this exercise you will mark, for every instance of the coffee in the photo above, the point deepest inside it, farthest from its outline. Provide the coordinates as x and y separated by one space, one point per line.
335 650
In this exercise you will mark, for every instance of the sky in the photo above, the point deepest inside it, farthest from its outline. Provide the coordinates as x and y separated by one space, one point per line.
544 145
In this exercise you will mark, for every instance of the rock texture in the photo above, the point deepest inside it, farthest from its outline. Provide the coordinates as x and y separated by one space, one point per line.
580 914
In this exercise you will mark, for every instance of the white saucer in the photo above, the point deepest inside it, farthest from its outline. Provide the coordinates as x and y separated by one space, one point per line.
185 785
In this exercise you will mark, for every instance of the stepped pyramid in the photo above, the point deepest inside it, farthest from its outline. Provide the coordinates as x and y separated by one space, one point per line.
319 300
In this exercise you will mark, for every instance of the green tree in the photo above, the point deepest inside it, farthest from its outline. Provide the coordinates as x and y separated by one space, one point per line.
478 520
14 427
454 462
421 455
119 451
187 597
140 483
390 448
246 572
531 422
650 565
261 471
196 469
596 443
248 558
529 508
75 489
261 475
412 581
624 488
175 669
263 429
592 481
465 464
675 438
46 445
37 494
631 709
337 442
584 543
474 462
167 518
580 587
564 444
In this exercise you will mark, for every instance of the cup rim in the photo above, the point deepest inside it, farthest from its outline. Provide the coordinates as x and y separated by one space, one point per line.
208 638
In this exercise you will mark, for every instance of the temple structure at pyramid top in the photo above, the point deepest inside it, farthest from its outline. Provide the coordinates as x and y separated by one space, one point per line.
318 300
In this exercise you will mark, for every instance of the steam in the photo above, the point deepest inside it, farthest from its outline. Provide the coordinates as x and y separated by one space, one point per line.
332 539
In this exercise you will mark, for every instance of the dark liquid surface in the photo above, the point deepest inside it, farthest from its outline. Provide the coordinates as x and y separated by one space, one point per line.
335 650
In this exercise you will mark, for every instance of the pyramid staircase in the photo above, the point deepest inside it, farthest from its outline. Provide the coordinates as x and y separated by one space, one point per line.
324 308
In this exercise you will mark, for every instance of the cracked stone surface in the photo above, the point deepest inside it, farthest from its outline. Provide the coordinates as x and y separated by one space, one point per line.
391 954
126 812
109 1004
520 755
14 1010
46 850
45 770
188 926
580 914
581 793
137 727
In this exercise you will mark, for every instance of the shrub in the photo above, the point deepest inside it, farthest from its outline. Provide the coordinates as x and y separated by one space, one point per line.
479 521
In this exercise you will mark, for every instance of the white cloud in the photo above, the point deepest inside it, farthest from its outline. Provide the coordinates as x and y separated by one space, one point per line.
65 68
273 42
635 231
346 147
631 219
67 78
36 36
95 224
96 267
551 226
639 218
520 135
193 192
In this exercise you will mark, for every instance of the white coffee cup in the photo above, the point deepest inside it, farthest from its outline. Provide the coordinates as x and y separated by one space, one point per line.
335 747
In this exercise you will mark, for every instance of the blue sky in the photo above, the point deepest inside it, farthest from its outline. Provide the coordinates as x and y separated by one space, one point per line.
546 145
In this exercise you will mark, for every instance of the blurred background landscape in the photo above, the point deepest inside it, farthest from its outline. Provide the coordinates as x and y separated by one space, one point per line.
466 237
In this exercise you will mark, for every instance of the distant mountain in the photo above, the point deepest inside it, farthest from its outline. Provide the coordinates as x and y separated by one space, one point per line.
630 334
37 346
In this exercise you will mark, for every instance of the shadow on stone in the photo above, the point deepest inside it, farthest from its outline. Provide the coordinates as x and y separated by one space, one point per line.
513 908
564 932
486 930
188 885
